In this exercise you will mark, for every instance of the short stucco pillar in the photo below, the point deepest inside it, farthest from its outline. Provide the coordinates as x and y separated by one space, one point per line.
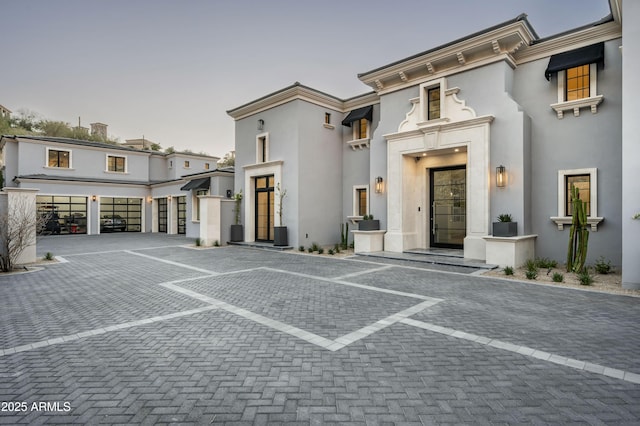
510 251
21 218
368 241
210 219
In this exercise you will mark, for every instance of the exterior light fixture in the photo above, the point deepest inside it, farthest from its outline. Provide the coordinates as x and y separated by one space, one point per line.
501 176
379 185
260 124
149 199
94 198
169 197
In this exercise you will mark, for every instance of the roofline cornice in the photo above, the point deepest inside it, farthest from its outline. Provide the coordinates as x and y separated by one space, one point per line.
600 33
495 42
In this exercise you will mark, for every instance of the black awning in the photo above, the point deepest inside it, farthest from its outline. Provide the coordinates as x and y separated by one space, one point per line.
593 54
196 184
357 114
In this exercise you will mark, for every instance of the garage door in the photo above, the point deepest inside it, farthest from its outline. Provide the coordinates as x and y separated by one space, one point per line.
120 214
61 214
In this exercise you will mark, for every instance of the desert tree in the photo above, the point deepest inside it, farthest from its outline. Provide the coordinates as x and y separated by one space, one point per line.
19 222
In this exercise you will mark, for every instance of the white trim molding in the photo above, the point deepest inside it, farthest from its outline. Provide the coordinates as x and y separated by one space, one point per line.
591 102
593 219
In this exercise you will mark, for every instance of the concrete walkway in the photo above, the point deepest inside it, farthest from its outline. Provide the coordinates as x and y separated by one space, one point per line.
143 328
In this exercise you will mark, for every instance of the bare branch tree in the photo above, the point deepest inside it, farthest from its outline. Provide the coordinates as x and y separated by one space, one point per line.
18 224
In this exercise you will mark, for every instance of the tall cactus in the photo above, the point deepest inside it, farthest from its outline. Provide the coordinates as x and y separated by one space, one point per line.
344 235
579 234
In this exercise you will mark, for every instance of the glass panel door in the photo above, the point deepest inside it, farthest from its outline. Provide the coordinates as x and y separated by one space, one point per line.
182 215
162 215
448 207
264 208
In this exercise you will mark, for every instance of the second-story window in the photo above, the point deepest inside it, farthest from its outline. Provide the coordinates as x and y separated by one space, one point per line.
59 158
360 129
186 164
116 164
206 166
433 95
327 118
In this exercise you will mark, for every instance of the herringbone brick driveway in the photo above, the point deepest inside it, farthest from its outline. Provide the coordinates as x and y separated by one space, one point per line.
139 329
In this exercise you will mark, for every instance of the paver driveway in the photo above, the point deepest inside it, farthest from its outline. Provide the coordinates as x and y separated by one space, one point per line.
141 329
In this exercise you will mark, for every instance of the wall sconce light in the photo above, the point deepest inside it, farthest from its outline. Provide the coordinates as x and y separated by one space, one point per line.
260 124
169 197
149 199
501 176
379 185
94 198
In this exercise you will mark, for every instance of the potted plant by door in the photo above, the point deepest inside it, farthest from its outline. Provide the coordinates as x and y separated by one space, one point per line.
505 226
368 223
237 232
280 237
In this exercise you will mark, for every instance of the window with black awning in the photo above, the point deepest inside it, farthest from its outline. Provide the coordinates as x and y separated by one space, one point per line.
593 54
358 114
196 184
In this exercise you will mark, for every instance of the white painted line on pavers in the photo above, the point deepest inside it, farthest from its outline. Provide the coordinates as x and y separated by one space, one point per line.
97 331
323 342
171 262
367 271
526 351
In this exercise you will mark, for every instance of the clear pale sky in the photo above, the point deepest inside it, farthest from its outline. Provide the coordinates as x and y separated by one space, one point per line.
169 70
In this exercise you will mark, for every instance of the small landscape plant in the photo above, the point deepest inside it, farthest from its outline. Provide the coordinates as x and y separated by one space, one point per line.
48 256
331 252
320 250
531 275
508 270
545 262
314 247
216 243
301 248
557 277
310 249
531 266
585 276
336 248
198 242
505 218
603 266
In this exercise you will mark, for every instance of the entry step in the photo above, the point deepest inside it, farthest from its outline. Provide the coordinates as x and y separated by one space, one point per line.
427 256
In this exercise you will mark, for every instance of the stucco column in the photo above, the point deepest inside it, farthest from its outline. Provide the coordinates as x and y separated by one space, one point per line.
210 219
20 204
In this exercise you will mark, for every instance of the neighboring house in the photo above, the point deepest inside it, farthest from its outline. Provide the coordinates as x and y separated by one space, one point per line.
500 121
93 187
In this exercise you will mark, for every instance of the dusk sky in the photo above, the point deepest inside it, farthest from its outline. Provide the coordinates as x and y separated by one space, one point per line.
169 70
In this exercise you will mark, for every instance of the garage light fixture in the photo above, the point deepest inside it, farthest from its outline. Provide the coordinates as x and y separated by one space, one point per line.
94 198
501 176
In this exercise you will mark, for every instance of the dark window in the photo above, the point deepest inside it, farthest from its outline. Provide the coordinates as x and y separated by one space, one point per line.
577 83
262 149
583 183
186 164
206 166
434 103
59 159
327 118
115 164
362 201
196 201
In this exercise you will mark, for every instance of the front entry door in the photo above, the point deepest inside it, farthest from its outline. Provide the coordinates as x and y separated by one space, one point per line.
448 207
264 208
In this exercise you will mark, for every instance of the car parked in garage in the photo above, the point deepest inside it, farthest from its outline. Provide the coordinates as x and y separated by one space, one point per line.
111 223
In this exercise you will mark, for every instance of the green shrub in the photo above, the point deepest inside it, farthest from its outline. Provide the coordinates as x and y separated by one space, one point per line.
531 275
314 247
320 250
336 248
198 242
301 248
531 266
505 218
331 252
585 277
216 243
48 256
310 249
508 270
603 266
545 262
557 277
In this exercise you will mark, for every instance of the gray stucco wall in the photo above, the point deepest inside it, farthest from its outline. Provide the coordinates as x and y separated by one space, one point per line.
11 164
631 147
320 177
85 162
590 140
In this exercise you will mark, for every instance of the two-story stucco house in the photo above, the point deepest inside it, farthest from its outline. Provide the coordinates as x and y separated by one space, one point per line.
498 122
91 187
